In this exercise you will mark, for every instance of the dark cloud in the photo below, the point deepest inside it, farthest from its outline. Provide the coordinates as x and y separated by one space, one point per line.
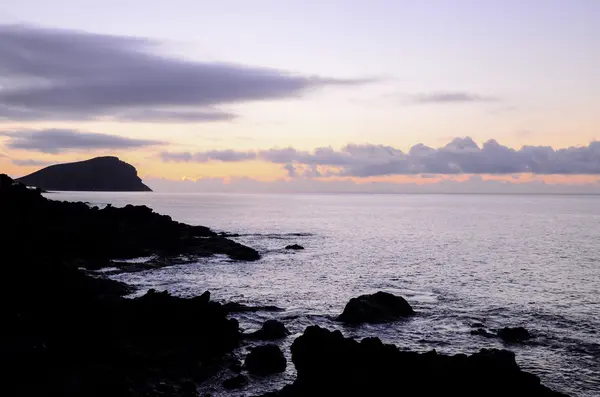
51 74
31 163
460 156
473 184
61 140
451 97
212 155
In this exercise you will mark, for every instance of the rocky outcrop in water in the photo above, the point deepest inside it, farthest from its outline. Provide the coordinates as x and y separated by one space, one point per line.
98 174
271 330
265 360
67 333
330 365
376 308
294 247
93 236
514 335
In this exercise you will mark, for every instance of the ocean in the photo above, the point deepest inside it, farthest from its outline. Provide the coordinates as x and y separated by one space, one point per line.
500 260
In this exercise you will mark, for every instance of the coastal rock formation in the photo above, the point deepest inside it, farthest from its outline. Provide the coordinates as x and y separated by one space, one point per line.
376 308
294 247
97 174
271 330
65 332
265 360
513 335
330 365
93 236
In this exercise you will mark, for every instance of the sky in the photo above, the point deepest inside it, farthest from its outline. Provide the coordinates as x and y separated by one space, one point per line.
307 95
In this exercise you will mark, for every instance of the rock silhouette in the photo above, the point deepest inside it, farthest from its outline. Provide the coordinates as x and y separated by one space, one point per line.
294 247
94 236
97 174
65 332
512 335
330 365
271 330
265 360
376 308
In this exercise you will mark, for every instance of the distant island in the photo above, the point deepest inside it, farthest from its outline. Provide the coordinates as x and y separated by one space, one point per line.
100 174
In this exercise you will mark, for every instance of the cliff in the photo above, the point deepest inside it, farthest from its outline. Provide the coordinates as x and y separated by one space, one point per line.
97 174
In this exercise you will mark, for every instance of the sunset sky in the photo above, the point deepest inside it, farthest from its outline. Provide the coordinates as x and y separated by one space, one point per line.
305 92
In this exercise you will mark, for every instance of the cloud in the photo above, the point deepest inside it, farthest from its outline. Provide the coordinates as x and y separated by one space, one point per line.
53 74
31 163
204 157
60 140
475 184
460 156
451 97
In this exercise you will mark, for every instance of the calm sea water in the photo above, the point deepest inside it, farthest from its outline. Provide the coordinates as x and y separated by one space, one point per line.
503 260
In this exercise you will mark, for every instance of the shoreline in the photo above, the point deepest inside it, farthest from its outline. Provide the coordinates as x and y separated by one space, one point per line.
188 330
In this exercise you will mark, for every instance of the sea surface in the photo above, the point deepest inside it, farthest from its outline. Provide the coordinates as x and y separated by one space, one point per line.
501 260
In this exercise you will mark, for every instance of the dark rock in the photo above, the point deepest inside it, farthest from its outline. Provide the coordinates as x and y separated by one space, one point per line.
477 325
236 382
376 308
234 307
328 364
271 330
512 335
481 332
265 360
45 228
294 247
97 174
68 332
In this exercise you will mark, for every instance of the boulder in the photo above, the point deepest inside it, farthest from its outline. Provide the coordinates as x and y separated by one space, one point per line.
513 335
235 382
376 308
271 330
295 247
328 364
265 360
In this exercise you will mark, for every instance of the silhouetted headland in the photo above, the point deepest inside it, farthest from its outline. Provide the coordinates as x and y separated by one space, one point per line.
98 174
71 332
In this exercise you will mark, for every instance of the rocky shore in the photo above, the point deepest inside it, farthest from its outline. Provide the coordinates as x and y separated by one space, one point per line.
67 332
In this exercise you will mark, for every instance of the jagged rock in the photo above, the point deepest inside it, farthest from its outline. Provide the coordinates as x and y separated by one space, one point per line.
516 334
37 226
265 360
66 332
235 382
295 247
328 364
376 308
271 330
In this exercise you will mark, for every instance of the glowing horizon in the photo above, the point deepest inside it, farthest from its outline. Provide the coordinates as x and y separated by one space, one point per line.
379 74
